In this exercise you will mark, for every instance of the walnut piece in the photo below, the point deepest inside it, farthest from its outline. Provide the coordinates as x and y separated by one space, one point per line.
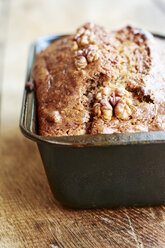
103 109
53 116
80 62
74 46
120 91
106 91
80 31
84 40
122 110
29 85
114 100
97 109
107 112
93 53
98 96
92 56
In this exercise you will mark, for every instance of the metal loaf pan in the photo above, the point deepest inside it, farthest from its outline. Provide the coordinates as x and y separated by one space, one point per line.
97 171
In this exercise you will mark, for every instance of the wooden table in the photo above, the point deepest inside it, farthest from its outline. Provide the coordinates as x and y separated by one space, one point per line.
29 216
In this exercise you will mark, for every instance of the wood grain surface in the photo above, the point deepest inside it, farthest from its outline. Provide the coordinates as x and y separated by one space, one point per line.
29 215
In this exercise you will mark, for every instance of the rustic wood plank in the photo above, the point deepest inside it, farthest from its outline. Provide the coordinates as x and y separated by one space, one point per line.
30 217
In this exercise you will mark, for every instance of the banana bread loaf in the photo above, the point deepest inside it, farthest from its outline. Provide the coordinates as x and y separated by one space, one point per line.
98 82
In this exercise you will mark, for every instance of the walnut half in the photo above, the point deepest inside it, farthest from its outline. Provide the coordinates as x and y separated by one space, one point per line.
122 110
80 62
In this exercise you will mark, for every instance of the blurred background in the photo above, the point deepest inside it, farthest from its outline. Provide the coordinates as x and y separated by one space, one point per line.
22 21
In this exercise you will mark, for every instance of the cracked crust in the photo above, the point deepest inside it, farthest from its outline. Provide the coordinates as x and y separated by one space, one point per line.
99 82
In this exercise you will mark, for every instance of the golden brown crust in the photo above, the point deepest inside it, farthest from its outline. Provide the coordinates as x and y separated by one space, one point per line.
100 82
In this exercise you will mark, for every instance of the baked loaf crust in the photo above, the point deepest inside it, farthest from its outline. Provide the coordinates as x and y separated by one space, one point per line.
97 82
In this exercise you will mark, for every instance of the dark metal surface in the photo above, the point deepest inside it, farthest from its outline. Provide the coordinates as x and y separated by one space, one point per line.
95 171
